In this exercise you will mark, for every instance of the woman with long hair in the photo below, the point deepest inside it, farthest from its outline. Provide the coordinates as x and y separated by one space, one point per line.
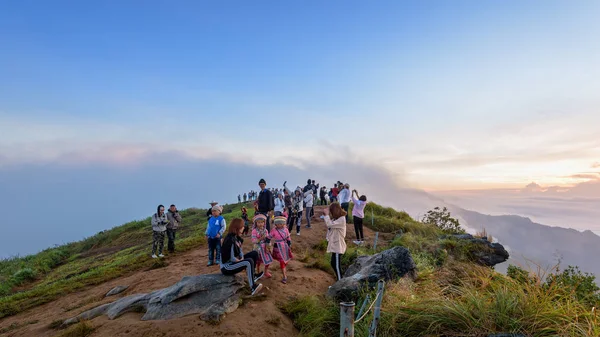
335 218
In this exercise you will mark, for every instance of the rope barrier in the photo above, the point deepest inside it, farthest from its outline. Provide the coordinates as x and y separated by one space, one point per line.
370 307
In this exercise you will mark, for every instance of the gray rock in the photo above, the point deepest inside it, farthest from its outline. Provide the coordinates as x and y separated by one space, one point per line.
490 255
116 290
388 265
212 296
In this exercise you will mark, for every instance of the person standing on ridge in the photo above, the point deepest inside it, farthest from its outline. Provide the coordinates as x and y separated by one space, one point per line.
336 234
159 227
265 202
174 221
245 196
239 198
209 211
345 199
308 199
214 232
334 193
322 193
279 204
358 214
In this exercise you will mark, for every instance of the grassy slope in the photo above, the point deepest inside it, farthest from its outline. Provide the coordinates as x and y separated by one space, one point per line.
452 296
36 279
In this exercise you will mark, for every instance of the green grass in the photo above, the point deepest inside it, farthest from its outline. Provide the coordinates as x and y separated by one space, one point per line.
82 329
26 282
453 296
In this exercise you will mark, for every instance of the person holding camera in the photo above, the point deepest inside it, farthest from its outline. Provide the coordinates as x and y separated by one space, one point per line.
174 221
296 213
159 227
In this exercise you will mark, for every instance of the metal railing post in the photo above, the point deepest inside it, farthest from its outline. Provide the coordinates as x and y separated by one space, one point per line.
377 309
346 319
364 305
375 243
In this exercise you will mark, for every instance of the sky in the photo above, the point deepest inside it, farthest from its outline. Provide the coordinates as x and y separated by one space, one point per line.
446 96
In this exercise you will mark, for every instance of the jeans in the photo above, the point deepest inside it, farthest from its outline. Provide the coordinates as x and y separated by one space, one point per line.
171 238
358 228
345 206
214 244
308 215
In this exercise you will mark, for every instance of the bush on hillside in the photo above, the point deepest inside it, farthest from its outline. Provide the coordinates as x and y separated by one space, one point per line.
581 285
442 219
23 276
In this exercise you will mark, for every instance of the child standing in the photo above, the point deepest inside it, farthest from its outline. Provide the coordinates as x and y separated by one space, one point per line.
214 232
336 234
358 214
281 242
261 238
234 259
308 199
245 218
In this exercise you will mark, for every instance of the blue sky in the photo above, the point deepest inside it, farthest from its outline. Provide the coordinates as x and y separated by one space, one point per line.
442 94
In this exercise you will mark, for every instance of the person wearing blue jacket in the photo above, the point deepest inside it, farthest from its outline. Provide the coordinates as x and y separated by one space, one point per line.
214 233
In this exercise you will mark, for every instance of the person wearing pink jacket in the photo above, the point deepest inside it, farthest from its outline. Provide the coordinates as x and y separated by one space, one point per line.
336 235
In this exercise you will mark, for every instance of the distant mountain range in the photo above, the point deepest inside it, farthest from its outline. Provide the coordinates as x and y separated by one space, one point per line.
530 244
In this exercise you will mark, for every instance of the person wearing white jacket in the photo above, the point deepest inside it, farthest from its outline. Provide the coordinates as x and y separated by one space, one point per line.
308 199
336 235
279 204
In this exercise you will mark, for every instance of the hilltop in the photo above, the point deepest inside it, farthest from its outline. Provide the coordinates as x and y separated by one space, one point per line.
452 293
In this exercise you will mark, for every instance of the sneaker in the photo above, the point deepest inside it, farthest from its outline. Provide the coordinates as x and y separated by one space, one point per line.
154 256
161 255
356 242
218 262
258 276
210 263
256 288
284 280
268 275
298 233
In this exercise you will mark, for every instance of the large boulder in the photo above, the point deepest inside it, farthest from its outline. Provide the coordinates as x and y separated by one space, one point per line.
388 265
484 252
212 296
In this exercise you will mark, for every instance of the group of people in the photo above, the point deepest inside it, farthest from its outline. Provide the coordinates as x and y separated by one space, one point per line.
250 196
284 209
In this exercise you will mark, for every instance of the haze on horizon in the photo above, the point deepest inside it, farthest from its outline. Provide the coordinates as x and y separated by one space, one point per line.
467 95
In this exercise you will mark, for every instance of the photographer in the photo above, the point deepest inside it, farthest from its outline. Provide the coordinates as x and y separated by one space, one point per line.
174 221
296 214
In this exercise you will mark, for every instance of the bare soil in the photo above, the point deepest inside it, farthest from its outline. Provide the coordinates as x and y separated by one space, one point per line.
260 316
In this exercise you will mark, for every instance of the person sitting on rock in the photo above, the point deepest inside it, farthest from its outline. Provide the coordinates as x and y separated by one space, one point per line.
336 235
233 259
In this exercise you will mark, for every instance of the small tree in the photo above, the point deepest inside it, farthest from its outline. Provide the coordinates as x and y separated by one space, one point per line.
441 218
583 285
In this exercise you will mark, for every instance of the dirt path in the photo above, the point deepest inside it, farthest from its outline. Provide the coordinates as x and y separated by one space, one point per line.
253 318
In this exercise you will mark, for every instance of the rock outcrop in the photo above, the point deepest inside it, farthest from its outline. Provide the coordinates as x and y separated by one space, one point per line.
116 290
490 253
212 296
388 265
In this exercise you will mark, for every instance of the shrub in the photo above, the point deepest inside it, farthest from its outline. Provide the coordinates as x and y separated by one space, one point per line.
581 285
314 316
23 276
441 218
81 329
